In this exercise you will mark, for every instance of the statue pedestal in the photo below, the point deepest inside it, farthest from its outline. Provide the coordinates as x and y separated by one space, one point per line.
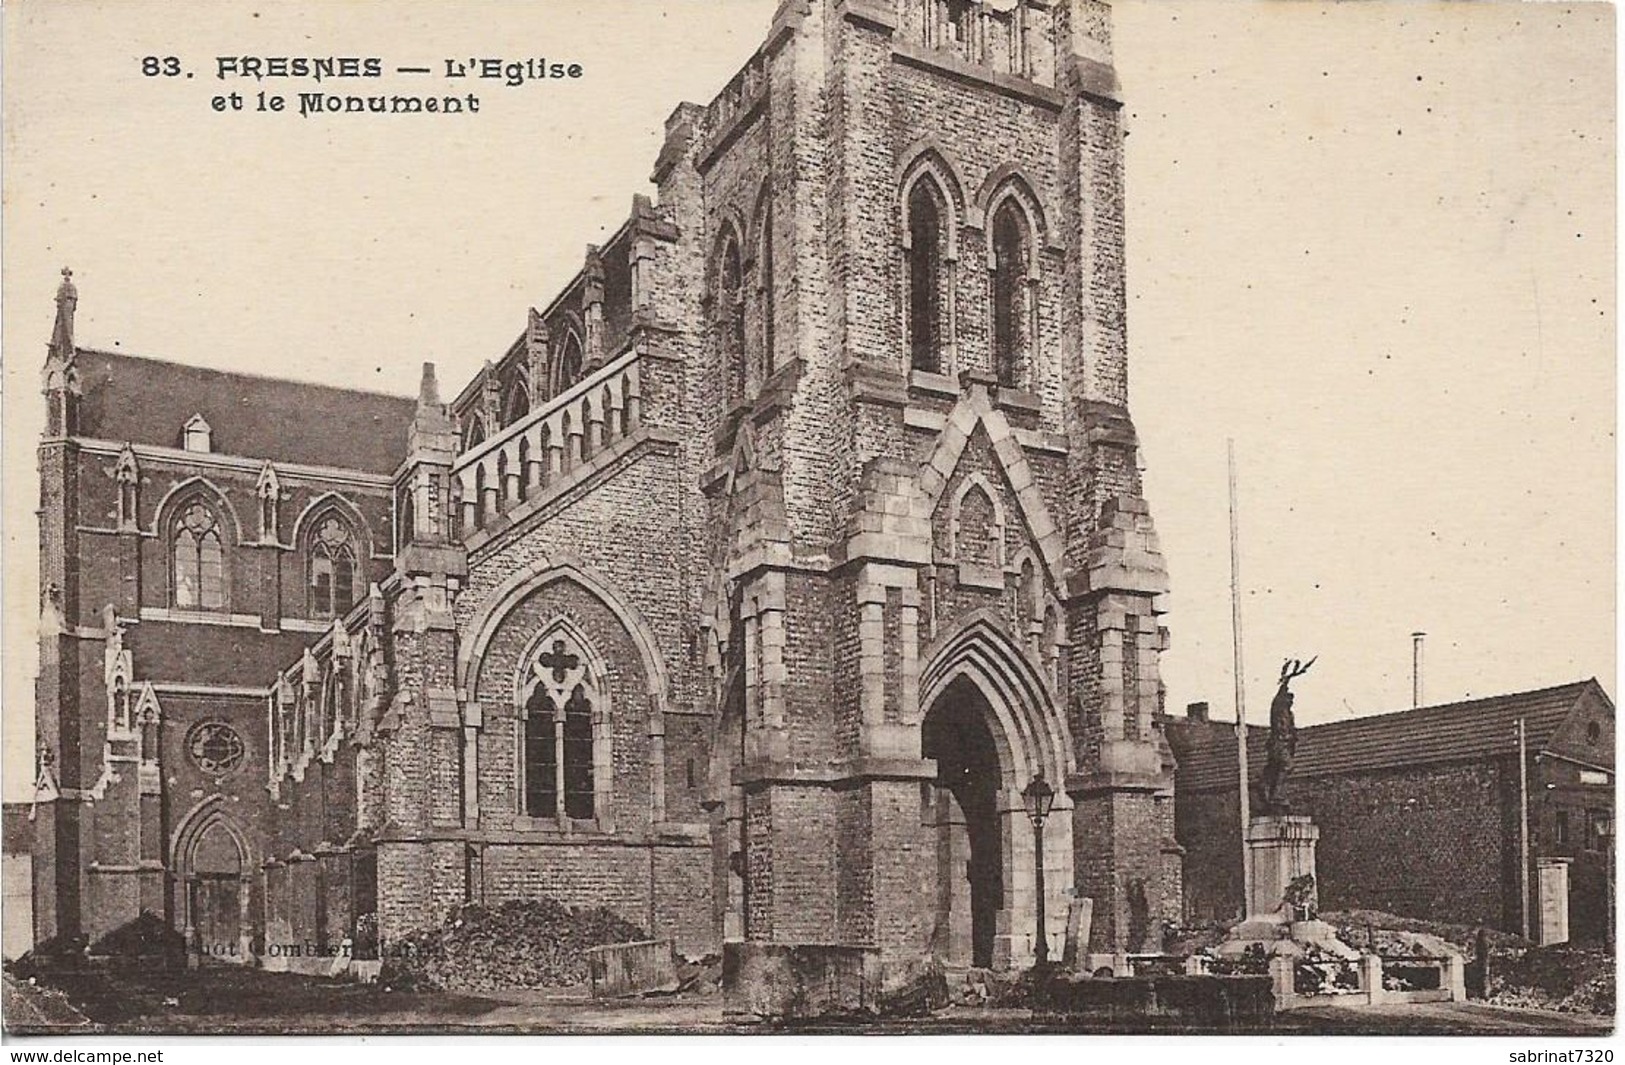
1281 848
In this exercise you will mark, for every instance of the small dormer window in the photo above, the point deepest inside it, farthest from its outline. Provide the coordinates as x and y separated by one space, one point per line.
197 436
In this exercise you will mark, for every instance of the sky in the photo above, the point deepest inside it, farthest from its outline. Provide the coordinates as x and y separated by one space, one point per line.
1373 244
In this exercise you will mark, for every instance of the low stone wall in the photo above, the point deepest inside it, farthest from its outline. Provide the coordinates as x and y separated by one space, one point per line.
1369 989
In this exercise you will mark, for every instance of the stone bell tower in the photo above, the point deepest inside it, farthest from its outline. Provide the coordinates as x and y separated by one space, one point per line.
946 577
1117 585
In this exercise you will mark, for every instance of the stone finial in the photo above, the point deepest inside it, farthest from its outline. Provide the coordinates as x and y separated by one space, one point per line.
490 405
538 339
592 303
428 388
67 300
60 374
431 422
46 788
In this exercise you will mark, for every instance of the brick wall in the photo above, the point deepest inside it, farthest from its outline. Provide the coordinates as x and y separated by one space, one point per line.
802 154
1436 842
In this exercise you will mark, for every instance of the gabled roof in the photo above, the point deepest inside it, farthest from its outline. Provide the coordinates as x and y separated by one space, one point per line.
149 401
1450 732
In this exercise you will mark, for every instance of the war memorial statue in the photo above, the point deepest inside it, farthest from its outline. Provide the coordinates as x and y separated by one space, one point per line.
1283 739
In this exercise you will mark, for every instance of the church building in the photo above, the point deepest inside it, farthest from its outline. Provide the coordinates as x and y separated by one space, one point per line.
744 593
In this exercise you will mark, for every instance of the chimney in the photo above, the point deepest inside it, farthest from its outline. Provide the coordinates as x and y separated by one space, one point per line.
1416 668
1196 712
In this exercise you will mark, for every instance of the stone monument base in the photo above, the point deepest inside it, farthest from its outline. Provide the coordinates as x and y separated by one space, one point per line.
1281 848
1279 936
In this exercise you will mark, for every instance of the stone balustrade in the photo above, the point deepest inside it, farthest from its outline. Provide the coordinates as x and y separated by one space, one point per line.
544 446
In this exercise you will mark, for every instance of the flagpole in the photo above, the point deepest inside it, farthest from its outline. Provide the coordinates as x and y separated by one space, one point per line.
1523 831
1241 699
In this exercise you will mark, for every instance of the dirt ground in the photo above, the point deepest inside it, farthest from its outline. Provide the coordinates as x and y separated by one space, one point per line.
245 1001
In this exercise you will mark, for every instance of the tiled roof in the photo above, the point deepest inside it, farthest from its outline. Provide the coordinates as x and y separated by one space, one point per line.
147 401
1450 732
1206 754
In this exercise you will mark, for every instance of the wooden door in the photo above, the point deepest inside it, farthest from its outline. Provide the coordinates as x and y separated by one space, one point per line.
217 916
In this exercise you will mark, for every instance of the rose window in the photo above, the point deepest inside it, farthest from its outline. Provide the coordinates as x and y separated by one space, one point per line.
215 747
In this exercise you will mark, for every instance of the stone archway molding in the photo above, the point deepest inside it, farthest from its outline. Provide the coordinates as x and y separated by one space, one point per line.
539 574
976 408
204 815
1031 733
208 813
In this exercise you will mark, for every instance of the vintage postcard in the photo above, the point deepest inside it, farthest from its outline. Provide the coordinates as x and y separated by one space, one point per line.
907 516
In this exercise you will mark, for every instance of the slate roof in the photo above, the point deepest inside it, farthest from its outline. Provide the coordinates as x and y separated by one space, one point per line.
1450 732
147 401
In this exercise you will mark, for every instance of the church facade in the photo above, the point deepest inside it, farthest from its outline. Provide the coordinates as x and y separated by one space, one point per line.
744 593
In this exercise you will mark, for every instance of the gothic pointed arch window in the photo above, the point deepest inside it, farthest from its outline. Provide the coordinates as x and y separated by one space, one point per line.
925 257
729 314
198 561
405 518
763 269
562 707
331 557
515 403
1011 251
569 364
474 435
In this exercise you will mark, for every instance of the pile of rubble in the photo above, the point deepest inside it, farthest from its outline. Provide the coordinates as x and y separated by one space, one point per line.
528 943
1568 979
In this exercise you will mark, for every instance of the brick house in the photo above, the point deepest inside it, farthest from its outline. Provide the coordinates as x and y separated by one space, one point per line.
17 874
743 593
1419 810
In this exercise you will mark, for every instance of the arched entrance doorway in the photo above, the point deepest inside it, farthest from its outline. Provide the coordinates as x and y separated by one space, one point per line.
971 845
991 723
217 888
213 886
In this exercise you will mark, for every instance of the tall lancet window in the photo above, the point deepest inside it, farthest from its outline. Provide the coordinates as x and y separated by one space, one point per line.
926 236
332 560
199 560
764 289
569 364
1010 250
515 403
731 319
561 703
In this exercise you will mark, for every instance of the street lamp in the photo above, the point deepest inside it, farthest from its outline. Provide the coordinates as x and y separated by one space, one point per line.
1039 797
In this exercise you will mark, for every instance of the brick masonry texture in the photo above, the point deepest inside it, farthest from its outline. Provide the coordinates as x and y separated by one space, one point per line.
755 505
1437 838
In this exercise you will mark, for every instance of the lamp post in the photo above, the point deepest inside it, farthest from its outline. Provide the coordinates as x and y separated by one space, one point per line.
1039 797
